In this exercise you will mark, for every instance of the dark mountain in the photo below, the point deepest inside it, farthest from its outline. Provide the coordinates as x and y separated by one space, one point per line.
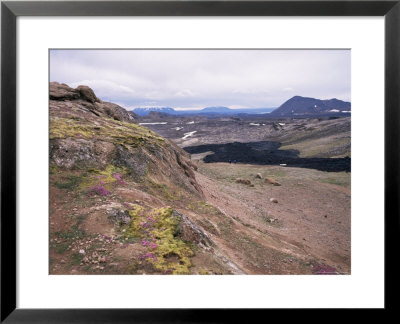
310 106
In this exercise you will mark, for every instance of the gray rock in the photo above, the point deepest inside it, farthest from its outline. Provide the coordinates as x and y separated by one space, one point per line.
119 216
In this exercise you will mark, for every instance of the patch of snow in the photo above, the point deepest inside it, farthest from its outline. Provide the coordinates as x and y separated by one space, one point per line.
157 123
282 124
334 110
177 128
254 124
192 122
346 111
283 164
188 134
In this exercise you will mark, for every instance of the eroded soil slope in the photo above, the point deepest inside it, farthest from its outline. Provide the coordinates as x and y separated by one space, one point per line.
300 216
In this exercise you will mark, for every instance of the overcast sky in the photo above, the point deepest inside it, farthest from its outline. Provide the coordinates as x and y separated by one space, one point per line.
204 78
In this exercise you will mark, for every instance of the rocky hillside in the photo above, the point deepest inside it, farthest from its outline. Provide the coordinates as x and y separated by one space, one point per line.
88 133
115 191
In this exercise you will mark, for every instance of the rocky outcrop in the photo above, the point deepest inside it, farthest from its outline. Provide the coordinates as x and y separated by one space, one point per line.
61 91
87 94
84 98
119 216
116 112
190 232
86 132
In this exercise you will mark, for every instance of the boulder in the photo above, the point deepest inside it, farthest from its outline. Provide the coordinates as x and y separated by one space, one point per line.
259 176
272 181
87 93
243 181
61 91
116 112
273 200
190 232
119 216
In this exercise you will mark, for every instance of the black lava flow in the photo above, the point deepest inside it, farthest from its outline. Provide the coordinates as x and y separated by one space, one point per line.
267 153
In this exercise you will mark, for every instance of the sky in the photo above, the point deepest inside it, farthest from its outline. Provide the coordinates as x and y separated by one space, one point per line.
194 79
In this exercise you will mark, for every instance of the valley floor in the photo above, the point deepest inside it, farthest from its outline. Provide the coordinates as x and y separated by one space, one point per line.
305 229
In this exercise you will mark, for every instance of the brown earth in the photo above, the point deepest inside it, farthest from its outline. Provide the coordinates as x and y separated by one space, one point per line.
311 220
124 200
309 226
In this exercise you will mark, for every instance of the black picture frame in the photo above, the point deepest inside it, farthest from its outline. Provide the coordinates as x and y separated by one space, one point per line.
10 10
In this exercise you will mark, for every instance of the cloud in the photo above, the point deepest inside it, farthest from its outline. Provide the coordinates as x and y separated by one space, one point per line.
184 93
195 78
288 89
106 88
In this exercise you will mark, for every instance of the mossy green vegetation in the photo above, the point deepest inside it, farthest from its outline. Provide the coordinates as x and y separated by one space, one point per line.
61 247
76 258
163 189
107 177
320 146
340 179
70 182
204 208
68 127
99 180
123 133
159 230
74 233
208 226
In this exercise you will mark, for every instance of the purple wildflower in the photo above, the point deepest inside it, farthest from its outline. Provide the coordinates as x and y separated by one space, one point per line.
153 245
145 224
148 255
99 190
119 178
323 269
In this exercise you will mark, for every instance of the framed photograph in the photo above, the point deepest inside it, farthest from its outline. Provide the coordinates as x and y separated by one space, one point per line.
163 158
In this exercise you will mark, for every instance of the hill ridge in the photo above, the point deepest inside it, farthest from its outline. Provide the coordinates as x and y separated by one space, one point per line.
299 105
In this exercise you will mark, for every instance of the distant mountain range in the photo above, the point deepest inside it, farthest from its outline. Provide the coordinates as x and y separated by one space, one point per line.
296 106
146 111
310 106
204 111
